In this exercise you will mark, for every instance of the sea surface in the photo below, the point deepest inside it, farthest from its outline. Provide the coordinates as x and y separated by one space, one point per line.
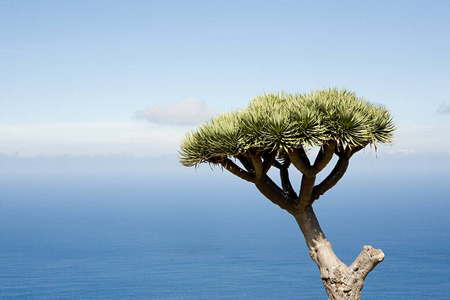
140 236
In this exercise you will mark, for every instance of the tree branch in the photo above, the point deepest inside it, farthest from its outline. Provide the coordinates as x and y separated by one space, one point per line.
236 170
273 192
366 262
347 152
306 189
246 163
257 165
277 164
340 149
285 181
324 156
300 160
269 159
331 180
356 149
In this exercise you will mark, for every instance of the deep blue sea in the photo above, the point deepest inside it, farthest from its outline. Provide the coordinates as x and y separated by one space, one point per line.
209 236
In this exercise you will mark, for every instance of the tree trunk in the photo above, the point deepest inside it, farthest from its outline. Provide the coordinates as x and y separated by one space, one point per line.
340 281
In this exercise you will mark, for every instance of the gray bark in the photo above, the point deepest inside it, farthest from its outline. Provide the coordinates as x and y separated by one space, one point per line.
340 281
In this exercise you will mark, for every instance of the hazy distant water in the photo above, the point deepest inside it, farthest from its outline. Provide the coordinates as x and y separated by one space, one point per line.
122 237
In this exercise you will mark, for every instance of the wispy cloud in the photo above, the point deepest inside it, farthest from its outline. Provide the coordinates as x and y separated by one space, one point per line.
444 109
422 139
183 112
402 151
90 138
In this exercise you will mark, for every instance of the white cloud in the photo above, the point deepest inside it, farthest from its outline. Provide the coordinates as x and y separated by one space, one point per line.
183 112
90 138
402 151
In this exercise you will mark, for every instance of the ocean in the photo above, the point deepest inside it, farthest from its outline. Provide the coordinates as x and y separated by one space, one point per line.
210 236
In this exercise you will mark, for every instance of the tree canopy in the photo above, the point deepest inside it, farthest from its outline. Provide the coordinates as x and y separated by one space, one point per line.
279 122
277 129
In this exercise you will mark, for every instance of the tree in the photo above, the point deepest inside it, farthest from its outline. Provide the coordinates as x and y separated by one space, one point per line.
279 131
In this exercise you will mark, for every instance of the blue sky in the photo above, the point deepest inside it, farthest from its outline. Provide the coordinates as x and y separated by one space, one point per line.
89 78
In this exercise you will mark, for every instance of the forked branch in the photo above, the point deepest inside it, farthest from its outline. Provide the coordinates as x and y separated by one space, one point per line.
366 262
274 193
258 165
300 160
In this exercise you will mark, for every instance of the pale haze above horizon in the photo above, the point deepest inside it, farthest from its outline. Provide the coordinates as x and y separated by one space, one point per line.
131 77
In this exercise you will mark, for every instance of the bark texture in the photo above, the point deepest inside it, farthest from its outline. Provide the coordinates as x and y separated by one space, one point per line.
340 281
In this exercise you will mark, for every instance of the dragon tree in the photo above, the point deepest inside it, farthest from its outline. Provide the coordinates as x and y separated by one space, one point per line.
278 131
